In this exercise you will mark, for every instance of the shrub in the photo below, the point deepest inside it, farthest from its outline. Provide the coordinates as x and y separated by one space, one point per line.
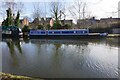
67 26
57 26
25 29
48 26
40 27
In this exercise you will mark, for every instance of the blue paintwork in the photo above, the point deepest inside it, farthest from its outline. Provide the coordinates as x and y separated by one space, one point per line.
60 32
37 32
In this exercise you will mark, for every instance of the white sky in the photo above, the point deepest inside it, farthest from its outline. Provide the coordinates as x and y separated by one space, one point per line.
97 8
105 8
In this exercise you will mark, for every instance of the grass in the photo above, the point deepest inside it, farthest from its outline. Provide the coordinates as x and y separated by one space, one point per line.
5 76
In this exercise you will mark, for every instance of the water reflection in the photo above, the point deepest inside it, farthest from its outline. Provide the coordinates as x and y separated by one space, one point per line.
61 58
11 43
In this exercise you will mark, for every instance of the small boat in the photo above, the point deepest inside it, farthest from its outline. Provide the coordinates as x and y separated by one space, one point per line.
11 31
63 33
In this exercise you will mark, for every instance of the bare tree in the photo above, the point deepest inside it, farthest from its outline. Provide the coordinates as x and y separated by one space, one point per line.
9 4
14 6
37 11
20 7
83 13
56 9
78 9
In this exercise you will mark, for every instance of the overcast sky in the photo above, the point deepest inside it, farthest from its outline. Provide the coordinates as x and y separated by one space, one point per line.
97 8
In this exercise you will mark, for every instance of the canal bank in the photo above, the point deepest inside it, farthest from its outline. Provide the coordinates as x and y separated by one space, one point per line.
113 35
6 76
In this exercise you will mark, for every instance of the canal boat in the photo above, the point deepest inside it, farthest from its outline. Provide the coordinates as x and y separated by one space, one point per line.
11 31
64 33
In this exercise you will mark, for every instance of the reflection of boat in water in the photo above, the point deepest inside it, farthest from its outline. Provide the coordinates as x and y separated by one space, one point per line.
75 34
109 42
58 41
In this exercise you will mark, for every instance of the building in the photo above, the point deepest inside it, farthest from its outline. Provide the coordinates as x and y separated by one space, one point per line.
109 22
102 23
87 23
34 24
24 22
69 22
47 21
41 21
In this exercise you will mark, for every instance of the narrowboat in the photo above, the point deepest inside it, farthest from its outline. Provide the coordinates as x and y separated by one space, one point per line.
65 33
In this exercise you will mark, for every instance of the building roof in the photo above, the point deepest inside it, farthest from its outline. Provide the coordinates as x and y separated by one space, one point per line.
110 19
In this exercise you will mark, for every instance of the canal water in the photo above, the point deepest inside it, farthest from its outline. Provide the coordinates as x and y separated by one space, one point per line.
43 58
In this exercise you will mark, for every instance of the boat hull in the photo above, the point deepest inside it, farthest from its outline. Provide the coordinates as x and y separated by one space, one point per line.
65 36
11 36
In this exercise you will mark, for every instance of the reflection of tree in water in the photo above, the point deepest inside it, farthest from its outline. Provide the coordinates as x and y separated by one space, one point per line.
12 51
26 40
17 44
113 42
79 53
57 46
40 44
11 45
56 55
82 47
82 54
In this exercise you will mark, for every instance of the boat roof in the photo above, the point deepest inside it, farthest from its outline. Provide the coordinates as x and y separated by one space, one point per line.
62 30
9 27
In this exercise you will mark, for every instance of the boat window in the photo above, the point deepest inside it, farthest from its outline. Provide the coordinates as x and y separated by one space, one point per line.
50 32
57 32
67 32
85 32
31 32
79 32
42 32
